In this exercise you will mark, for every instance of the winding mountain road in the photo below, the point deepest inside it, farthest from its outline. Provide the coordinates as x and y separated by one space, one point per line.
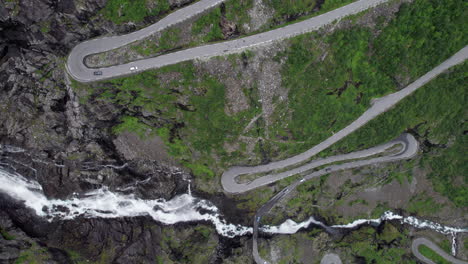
410 148
79 71
426 242
379 106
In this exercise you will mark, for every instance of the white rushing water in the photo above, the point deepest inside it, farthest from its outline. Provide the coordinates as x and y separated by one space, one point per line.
104 203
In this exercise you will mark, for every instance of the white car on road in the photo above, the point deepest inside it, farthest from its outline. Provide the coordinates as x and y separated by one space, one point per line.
134 68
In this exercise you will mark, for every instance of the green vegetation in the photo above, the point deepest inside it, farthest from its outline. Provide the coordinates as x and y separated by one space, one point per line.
286 10
33 255
388 246
131 124
288 249
191 246
122 11
399 176
211 22
431 254
45 26
6 235
436 110
331 78
446 246
237 11
203 230
194 131
358 201
207 28
330 87
167 41
423 205
253 200
76 257
307 193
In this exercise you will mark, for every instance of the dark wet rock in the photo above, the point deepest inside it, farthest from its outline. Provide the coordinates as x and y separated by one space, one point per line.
68 146
24 218
124 240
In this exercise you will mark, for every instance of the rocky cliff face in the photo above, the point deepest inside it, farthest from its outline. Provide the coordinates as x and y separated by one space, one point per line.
68 146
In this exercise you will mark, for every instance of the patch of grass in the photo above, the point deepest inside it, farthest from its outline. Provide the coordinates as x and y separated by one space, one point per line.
251 201
437 110
195 246
399 176
389 233
237 11
76 257
204 231
446 246
330 87
122 11
379 210
287 10
210 23
333 78
201 170
6 235
45 26
187 112
358 201
307 193
423 205
431 254
372 247
131 124
33 255
168 40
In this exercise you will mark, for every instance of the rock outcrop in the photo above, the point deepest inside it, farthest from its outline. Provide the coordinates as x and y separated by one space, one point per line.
68 146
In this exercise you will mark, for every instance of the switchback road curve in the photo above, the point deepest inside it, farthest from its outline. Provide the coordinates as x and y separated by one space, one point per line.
79 71
426 242
381 105
410 148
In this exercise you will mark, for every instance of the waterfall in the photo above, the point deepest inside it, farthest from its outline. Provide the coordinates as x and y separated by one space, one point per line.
104 203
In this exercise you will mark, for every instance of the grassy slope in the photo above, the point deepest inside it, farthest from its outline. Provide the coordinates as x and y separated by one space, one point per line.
373 66
445 166
431 254
355 56
194 132
122 11
208 27
387 245
364 66
436 111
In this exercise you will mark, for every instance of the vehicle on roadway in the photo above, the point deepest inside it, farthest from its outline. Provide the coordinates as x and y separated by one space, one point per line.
134 68
97 73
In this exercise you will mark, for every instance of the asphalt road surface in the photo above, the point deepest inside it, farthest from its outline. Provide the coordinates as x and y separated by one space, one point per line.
379 106
331 258
80 72
410 148
424 241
